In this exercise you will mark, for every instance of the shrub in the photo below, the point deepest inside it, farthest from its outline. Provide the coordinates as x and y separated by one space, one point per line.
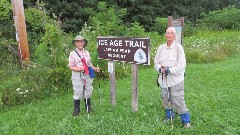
35 23
33 83
189 29
228 18
161 25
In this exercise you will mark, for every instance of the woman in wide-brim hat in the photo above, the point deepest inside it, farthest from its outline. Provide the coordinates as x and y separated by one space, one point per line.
79 63
79 38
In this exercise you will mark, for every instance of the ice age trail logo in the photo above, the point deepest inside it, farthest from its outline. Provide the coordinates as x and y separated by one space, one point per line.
140 56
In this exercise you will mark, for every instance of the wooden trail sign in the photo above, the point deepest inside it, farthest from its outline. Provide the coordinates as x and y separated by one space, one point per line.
132 50
178 25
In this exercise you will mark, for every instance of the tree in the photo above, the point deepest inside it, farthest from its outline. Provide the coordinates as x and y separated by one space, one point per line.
72 13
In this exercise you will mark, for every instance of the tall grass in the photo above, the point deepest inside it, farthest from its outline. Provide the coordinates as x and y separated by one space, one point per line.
211 94
209 46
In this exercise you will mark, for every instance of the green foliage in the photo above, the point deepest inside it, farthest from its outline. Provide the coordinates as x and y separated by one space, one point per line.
1 102
17 88
228 18
7 30
49 75
108 21
189 29
72 14
5 8
35 21
161 25
51 51
208 46
33 83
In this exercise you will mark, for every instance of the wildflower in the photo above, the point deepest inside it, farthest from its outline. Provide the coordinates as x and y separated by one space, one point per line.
20 92
18 89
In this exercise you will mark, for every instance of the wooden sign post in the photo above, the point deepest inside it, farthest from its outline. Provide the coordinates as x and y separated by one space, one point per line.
134 87
111 66
178 24
132 50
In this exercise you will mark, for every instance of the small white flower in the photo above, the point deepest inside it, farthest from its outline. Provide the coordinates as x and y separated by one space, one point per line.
26 91
18 89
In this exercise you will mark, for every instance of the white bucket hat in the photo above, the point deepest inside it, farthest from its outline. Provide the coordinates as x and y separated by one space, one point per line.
78 37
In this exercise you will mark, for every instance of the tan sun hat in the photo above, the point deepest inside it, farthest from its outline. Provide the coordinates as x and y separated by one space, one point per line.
78 37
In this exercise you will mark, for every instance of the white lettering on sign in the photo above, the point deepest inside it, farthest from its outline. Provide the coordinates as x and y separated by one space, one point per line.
115 42
124 51
139 44
103 42
115 55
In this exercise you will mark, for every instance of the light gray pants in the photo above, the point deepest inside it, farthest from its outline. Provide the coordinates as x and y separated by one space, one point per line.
82 88
176 98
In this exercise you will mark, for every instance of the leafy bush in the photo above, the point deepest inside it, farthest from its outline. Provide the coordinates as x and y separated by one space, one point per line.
161 25
35 23
228 18
189 29
5 8
49 74
7 31
33 83
20 86
51 51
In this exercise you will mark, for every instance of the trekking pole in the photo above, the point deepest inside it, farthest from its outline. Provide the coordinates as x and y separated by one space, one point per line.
162 96
85 94
86 103
169 102
99 91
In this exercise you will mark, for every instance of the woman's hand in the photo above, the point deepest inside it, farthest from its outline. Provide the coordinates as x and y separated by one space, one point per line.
97 69
81 68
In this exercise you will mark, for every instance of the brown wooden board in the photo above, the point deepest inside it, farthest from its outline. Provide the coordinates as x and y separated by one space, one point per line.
131 50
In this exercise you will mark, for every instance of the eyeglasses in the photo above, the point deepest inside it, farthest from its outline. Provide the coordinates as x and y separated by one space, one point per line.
169 33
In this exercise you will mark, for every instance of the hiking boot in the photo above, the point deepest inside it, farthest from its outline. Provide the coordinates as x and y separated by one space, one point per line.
76 109
188 125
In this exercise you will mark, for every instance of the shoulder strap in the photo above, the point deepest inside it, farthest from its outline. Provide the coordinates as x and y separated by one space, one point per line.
78 54
80 57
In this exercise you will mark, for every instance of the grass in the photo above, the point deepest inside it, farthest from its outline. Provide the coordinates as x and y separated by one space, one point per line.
209 46
211 94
